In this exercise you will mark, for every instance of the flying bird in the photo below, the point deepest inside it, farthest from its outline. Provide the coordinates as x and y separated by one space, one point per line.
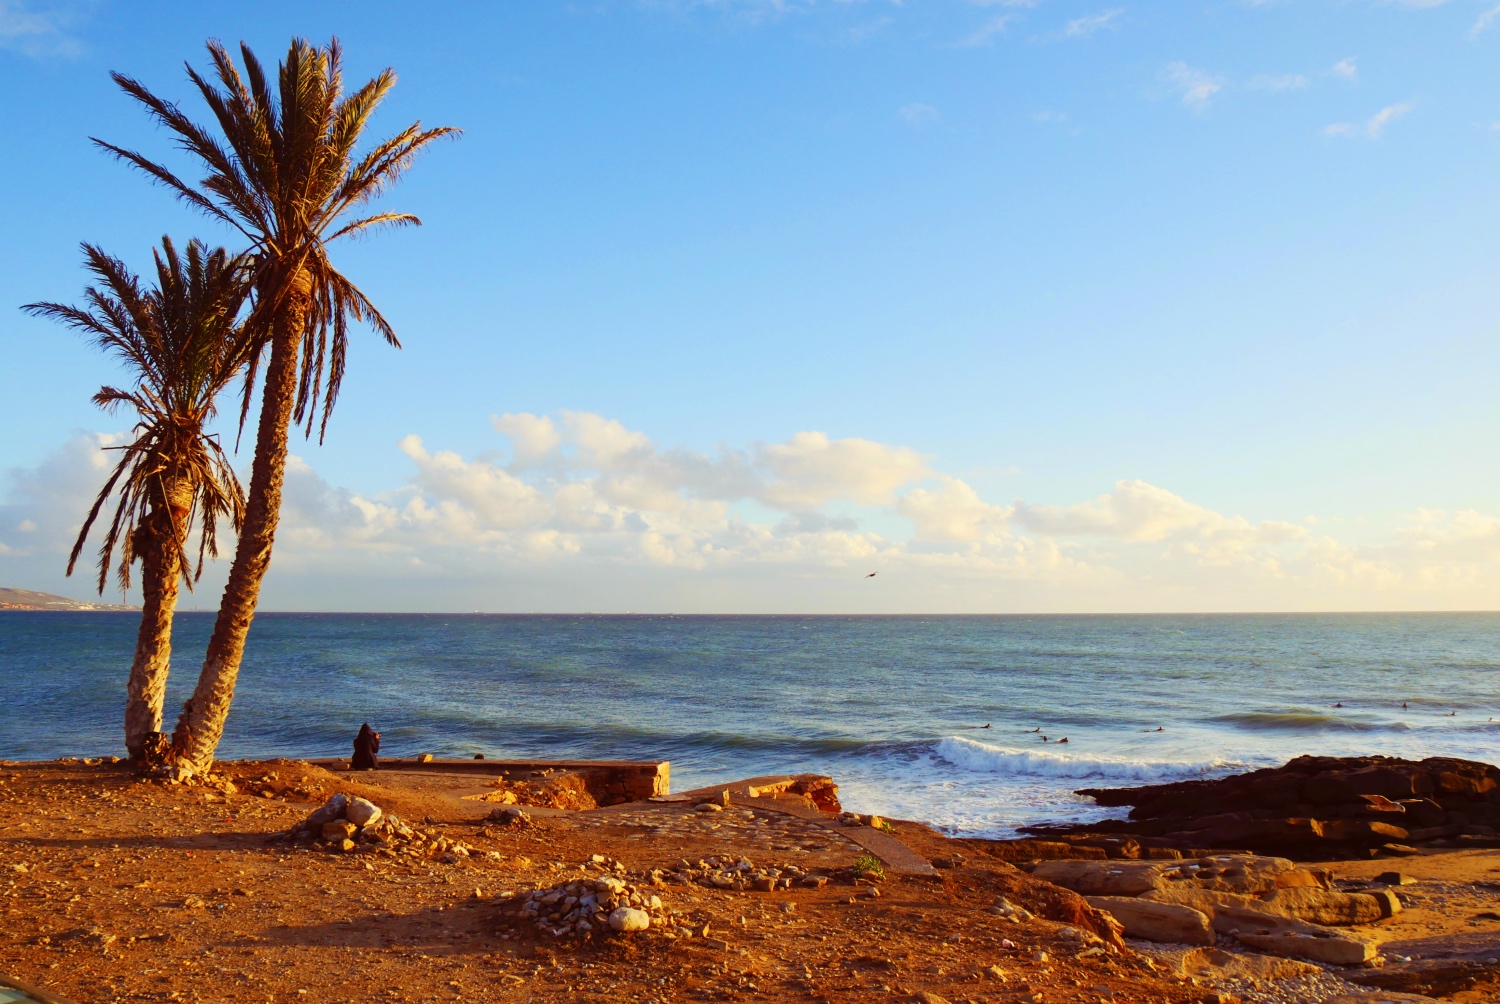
872 575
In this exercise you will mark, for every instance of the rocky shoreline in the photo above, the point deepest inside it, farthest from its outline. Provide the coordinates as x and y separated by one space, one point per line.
1311 808
291 880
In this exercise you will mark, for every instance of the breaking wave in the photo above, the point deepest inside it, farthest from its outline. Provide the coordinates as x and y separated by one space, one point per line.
977 756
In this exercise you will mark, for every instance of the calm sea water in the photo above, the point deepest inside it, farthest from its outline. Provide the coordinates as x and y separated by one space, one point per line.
893 707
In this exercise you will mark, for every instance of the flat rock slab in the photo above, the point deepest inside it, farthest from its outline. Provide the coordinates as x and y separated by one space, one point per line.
1164 922
771 794
1378 998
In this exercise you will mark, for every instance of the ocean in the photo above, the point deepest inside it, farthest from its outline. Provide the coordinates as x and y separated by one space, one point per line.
931 718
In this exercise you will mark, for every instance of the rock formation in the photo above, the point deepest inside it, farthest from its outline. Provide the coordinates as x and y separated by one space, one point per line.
1311 808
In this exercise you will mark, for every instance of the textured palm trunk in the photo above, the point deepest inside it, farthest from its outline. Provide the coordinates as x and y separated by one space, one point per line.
160 574
201 724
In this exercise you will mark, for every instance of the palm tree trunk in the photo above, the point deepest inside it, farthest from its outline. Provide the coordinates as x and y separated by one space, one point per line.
201 724
147 687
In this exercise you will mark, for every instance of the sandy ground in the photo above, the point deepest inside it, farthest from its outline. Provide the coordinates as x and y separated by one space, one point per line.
118 889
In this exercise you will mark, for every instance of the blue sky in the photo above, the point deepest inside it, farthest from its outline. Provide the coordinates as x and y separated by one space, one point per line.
1095 305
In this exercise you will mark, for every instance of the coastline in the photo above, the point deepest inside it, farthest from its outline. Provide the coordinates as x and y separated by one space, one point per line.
129 890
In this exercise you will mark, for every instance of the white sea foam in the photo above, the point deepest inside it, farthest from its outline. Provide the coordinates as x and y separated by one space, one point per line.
977 756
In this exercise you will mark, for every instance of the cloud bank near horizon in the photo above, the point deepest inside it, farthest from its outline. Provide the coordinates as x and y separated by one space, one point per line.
578 511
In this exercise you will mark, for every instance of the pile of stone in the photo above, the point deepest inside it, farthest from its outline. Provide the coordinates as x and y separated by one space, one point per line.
741 874
1266 904
348 825
583 906
1311 808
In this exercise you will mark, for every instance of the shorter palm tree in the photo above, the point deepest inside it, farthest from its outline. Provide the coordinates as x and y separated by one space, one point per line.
182 342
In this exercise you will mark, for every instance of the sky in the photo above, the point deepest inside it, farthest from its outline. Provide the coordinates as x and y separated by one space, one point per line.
719 307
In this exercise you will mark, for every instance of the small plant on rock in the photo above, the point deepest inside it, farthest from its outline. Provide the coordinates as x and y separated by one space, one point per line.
868 866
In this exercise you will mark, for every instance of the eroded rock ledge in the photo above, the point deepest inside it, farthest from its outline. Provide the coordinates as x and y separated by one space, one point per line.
1311 808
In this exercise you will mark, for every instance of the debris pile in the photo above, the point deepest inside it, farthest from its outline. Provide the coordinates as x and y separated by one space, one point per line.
346 825
741 874
270 785
583 906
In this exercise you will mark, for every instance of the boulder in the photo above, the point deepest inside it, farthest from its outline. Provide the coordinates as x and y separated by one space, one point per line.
1321 906
628 919
362 812
328 811
1389 902
1153 921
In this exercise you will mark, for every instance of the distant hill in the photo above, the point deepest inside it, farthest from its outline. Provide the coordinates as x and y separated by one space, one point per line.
25 599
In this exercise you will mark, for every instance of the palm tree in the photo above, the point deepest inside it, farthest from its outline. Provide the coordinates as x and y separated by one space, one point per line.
182 343
285 175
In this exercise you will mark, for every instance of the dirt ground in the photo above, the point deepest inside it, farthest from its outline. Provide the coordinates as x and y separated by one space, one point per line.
117 889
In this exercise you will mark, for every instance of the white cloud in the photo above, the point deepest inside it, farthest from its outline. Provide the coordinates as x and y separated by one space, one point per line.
1275 83
1374 127
1345 68
985 33
1485 21
1088 24
1141 512
952 512
533 438
37 29
811 470
916 114
1196 87
586 513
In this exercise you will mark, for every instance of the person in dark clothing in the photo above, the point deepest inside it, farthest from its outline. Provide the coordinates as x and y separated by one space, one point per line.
366 745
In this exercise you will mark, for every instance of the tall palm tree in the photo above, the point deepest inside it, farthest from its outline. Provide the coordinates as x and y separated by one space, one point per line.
284 173
183 344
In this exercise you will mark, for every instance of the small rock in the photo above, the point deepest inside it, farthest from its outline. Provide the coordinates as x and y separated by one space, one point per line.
708 807
511 815
1395 878
995 973
424 758
927 997
1039 956
627 918
339 829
